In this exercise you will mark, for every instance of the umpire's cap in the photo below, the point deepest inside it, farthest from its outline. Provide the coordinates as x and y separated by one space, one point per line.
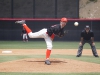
64 19
87 26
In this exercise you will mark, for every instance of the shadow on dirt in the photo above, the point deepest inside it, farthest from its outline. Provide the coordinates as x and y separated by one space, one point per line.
52 61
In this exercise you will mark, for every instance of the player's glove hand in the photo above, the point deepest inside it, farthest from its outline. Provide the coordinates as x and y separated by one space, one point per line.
93 44
63 34
80 43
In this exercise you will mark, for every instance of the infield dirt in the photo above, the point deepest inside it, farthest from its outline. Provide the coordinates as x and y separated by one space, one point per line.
58 65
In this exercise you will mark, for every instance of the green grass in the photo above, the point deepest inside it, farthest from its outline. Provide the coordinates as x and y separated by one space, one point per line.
90 59
83 58
42 45
4 58
20 73
22 45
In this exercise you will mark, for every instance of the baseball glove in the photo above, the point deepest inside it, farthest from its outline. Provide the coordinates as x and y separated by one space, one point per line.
64 33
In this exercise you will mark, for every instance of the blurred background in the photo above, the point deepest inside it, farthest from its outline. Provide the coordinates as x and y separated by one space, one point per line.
44 13
39 8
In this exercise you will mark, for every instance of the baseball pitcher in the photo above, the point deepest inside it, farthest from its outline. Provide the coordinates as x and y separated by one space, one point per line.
48 34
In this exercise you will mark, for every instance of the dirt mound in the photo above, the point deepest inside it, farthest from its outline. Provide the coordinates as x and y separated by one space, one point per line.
57 66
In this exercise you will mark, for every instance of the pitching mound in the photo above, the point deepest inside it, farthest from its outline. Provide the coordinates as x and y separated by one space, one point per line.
57 66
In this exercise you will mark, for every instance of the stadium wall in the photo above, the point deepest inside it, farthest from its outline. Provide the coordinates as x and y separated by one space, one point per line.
39 8
11 31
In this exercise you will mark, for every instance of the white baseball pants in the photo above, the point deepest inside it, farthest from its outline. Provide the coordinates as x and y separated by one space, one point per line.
42 34
25 36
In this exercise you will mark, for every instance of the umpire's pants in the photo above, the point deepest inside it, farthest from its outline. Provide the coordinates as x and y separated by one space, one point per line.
79 53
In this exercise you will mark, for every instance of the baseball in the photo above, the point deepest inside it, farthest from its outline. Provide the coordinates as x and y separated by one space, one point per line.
76 23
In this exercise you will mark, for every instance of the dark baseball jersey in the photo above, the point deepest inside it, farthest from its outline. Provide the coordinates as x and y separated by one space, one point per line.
87 36
55 29
24 31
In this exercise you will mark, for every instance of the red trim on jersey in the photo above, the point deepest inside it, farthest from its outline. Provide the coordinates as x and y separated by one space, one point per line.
52 36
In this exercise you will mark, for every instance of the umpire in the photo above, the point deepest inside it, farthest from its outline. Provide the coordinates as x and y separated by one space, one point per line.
87 36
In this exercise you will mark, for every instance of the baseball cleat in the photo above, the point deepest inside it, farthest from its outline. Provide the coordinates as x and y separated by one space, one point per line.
78 55
96 55
20 22
47 62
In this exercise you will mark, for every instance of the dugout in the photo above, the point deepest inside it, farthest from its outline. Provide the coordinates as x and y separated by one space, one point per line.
11 31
